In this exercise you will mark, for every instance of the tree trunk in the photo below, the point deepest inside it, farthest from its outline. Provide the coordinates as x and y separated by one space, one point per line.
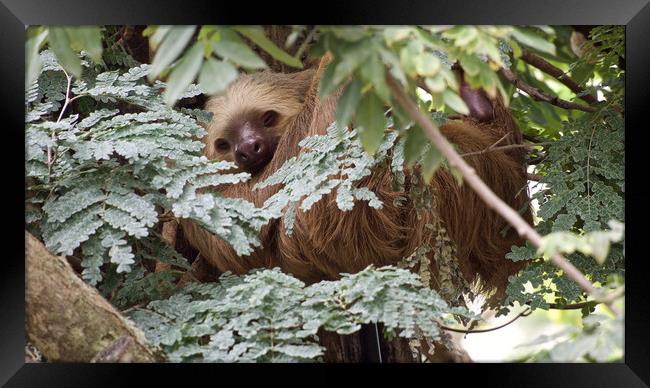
370 345
366 345
68 320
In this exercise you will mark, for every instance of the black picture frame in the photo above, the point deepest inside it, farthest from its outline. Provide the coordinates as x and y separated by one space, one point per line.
635 14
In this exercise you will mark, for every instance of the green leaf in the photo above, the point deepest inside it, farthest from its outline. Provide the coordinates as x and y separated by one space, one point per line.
158 35
401 119
463 35
595 244
73 201
453 100
32 59
122 256
216 75
239 53
371 122
77 229
451 78
374 71
546 29
206 32
60 44
87 38
348 103
396 34
435 84
409 55
427 64
457 174
391 59
533 40
430 163
327 85
527 252
184 73
256 34
171 47
488 81
416 141
350 34
342 71
471 64
564 222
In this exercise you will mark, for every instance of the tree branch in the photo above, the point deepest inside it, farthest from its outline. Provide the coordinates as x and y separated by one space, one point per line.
305 44
52 157
68 320
558 74
492 148
524 313
482 190
534 177
532 138
538 95
617 293
574 306
537 160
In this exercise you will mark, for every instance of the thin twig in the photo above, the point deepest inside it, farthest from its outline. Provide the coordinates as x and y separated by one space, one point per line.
574 306
532 138
538 95
571 306
524 313
557 73
505 147
617 293
493 145
537 160
305 43
67 96
483 191
78 96
134 307
500 140
50 156
534 177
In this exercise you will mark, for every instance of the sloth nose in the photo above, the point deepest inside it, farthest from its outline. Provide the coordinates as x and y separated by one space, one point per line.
251 151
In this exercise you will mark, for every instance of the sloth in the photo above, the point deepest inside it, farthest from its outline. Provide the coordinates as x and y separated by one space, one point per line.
258 124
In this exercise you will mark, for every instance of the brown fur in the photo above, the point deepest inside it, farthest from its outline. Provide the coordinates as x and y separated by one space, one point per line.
327 241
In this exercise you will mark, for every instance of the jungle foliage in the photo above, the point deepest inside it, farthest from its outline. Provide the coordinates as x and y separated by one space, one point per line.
109 151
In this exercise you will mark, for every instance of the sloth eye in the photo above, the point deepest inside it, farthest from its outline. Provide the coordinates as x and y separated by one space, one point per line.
222 144
269 118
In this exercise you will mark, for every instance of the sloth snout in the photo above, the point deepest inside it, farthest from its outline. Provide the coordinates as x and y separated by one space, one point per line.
252 152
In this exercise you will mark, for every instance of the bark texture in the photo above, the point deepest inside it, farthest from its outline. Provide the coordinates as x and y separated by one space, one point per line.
68 320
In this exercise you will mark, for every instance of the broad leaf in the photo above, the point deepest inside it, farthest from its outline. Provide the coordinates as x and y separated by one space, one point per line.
171 47
216 75
371 122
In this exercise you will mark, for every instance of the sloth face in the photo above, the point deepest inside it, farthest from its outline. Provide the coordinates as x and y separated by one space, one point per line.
249 140
249 119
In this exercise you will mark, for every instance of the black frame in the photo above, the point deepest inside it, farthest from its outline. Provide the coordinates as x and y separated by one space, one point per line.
635 14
